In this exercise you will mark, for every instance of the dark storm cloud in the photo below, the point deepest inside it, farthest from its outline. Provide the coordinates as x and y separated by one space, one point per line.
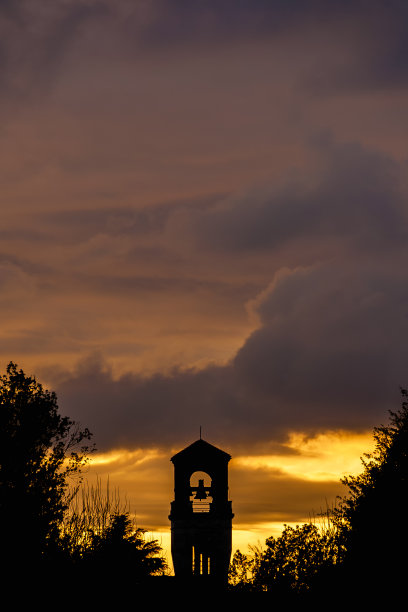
330 350
331 345
37 36
183 21
376 33
331 353
133 410
356 198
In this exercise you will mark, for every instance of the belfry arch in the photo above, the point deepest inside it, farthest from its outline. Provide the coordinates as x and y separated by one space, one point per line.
200 486
201 514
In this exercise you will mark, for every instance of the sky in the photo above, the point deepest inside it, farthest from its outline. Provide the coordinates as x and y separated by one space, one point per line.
204 222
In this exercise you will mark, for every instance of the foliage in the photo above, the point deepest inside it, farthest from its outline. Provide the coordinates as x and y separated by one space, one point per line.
122 548
99 534
89 513
377 497
241 570
362 542
39 451
292 563
43 519
294 560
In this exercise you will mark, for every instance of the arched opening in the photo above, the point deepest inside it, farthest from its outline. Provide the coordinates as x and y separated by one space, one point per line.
200 492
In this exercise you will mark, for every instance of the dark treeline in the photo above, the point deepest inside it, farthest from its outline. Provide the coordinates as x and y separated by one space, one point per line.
46 538
358 552
46 533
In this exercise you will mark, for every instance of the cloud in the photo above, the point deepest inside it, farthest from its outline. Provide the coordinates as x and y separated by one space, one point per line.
329 350
365 49
265 497
378 44
354 197
331 344
35 38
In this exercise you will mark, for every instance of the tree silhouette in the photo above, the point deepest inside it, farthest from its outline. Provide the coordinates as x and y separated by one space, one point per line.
297 559
99 536
241 571
372 516
122 551
360 551
90 512
39 450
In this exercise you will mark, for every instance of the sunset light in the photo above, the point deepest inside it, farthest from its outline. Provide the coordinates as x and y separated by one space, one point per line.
203 239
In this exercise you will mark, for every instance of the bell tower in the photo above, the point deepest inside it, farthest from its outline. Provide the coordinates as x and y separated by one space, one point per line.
201 515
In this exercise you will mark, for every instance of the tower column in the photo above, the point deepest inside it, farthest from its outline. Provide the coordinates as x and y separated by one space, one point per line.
201 515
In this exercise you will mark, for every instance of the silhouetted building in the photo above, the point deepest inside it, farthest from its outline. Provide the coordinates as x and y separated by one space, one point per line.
201 514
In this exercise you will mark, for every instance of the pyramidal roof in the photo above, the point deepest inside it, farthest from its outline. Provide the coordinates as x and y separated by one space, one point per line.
200 447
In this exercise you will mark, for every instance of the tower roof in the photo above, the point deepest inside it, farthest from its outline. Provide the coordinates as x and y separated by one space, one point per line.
200 448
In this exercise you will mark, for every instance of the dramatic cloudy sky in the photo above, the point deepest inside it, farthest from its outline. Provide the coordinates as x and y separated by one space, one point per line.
204 222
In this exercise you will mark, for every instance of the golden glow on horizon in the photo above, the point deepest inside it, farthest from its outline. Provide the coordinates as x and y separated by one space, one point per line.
244 539
125 457
145 479
326 457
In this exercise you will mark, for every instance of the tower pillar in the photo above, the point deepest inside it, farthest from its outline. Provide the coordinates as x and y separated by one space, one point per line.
201 514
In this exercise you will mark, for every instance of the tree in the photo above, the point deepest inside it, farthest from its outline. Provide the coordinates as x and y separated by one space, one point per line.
39 451
89 513
296 560
101 537
122 551
241 571
372 515
360 553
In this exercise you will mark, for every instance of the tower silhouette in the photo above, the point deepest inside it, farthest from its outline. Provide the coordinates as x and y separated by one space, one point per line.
201 515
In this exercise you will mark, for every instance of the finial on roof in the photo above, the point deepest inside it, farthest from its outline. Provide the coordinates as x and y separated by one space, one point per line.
200 432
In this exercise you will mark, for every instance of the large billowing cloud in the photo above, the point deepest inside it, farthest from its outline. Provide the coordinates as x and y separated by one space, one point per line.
329 350
330 353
